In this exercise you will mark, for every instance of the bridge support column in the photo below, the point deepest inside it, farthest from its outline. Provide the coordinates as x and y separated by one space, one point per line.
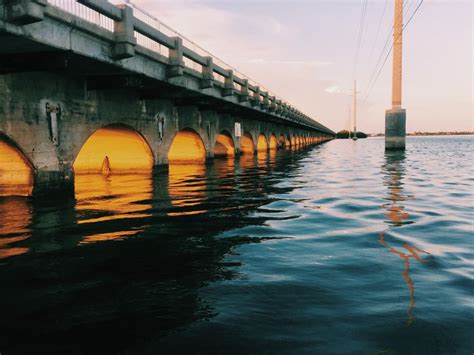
395 129
54 184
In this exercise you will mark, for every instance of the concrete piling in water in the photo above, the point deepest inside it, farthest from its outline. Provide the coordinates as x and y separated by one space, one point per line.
395 129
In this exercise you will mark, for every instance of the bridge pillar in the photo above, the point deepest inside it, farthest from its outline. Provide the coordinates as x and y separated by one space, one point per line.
395 129
57 183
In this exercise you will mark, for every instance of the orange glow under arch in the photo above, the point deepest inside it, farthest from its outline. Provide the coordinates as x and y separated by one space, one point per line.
187 146
224 146
273 142
16 172
262 144
114 149
246 144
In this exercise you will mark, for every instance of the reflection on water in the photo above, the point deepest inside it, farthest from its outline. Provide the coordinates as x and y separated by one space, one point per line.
278 258
144 286
14 226
247 161
187 188
394 172
109 198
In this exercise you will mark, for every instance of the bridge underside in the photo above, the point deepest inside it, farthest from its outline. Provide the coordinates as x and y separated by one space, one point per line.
67 108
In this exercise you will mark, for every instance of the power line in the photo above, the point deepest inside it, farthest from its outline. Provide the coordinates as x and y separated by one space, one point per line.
379 60
390 51
385 46
361 33
387 42
379 28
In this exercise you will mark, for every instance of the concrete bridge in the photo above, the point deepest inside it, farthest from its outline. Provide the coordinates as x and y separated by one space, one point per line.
89 86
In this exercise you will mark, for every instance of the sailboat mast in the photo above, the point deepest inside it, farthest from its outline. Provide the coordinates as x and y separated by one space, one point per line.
355 109
349 123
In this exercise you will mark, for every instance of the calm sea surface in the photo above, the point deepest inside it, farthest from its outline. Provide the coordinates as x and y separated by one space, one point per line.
335 249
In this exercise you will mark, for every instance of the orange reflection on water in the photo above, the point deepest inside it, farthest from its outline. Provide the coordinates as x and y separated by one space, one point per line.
186 188
397 217
16 173
114 197
262 157
105 237
14 226
224 167
409 253
247 161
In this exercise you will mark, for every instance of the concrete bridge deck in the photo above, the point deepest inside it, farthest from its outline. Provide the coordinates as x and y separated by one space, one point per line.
74 73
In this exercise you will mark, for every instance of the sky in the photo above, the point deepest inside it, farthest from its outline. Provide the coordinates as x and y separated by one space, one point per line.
305 52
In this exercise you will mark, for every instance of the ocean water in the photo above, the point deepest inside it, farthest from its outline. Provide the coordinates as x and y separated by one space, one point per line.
339 248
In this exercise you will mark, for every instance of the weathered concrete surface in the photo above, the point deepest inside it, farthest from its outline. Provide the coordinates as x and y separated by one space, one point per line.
395 129
30 102
62 78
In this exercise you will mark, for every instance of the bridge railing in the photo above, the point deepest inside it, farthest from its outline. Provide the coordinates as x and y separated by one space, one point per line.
158 37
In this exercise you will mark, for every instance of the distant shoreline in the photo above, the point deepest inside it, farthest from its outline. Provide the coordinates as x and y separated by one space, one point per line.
427 134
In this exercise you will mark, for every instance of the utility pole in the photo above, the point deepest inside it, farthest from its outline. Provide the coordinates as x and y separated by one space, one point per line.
355 111
395 118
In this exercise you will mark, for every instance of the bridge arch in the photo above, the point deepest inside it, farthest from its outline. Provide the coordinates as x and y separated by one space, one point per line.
262 144
115 148
247 146
16 170
224 145
187 146
273 142
288 142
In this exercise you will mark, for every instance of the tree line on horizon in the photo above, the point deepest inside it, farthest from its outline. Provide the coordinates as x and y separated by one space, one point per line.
344 134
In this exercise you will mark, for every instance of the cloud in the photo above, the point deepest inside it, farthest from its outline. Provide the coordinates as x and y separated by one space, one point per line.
310 63
333 89
255 43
